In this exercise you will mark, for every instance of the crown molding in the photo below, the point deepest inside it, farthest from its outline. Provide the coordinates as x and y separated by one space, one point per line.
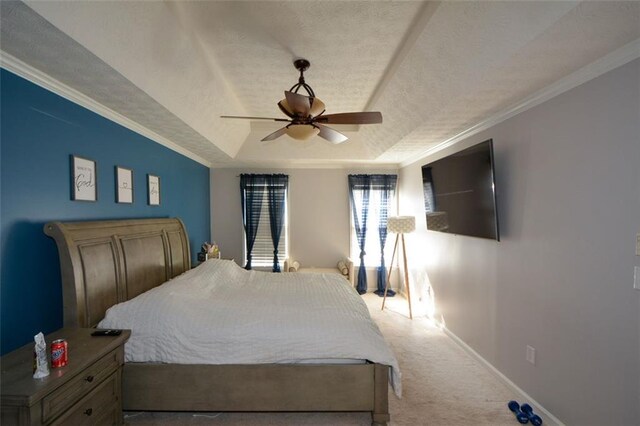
311 164
611 61
47 82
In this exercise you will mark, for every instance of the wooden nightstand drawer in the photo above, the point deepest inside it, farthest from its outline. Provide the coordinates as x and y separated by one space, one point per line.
99 407
69 393
91 383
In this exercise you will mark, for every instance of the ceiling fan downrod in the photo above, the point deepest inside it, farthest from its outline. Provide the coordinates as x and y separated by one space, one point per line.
302 65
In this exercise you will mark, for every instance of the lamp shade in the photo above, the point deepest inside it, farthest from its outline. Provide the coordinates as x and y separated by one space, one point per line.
317 107
302 131
401 224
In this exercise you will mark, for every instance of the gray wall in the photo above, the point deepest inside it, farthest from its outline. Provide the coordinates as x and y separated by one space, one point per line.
318 214
561 279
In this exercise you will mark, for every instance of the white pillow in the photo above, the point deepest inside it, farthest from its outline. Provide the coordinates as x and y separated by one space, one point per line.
342 267
294 266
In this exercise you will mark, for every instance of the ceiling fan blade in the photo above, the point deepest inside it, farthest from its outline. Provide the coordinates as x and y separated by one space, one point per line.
255 118
331 135
299 104
274 135
351 118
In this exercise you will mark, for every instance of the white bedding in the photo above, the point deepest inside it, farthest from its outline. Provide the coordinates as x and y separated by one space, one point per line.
220 313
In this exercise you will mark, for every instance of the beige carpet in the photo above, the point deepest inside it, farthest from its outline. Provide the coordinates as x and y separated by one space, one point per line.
442 385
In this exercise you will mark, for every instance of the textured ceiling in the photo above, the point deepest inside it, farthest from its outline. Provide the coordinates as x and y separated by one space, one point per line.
432 69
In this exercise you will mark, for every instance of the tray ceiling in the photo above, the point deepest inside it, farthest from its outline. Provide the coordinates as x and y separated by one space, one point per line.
433 69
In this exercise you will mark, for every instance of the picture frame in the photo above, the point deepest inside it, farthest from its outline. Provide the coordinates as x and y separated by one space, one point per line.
153 190
84 179
124 185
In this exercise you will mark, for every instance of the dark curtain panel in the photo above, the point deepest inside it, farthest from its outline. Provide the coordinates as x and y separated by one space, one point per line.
276 193
360 183
252 188
386 184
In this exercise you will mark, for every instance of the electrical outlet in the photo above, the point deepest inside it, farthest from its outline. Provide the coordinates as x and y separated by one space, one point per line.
637 244
636 277
531 354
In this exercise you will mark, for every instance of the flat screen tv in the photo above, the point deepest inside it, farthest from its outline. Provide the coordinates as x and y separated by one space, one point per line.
459 193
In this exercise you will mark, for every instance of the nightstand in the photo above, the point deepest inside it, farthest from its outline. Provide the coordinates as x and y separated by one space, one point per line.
87 391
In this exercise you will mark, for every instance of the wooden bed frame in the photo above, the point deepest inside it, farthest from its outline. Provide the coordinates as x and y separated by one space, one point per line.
108 262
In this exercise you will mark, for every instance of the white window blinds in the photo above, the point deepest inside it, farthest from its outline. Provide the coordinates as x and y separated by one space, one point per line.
262 255
376 215
264 216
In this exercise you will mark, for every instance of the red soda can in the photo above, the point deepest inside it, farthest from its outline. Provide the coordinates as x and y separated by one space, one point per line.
59 353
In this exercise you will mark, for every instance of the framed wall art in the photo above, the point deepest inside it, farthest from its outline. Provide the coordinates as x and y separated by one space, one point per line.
124 185
83 179
153 187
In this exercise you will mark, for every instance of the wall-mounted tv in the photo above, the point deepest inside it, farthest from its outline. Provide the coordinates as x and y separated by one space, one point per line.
459 193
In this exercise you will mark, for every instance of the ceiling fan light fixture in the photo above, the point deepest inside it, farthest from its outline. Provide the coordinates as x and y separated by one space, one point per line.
306 116
302 132
317 107
286 108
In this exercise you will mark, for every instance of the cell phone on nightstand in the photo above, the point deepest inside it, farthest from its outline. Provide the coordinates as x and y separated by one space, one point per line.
107 333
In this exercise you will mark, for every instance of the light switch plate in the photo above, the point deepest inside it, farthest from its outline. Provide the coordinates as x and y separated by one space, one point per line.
637 244
636 277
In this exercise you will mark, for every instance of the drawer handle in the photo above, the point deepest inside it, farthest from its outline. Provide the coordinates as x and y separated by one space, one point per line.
89 379
88 411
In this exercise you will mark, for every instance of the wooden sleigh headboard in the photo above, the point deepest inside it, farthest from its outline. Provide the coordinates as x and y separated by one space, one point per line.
108 262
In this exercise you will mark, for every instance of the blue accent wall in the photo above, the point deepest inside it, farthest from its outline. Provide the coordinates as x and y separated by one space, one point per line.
39 131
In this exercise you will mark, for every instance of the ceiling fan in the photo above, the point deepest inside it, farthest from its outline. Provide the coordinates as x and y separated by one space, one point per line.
306 114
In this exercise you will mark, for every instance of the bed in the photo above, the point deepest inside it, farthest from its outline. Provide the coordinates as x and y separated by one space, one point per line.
105 263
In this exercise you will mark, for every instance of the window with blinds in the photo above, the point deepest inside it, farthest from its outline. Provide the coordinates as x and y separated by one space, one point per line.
375 217
262 255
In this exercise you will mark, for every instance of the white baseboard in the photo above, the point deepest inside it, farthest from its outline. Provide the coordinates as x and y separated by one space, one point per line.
547 417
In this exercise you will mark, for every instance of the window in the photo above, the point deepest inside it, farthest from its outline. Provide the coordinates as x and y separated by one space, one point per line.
376 216
262 255
264 218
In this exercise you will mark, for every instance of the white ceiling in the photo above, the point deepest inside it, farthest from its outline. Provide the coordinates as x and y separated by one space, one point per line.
433 69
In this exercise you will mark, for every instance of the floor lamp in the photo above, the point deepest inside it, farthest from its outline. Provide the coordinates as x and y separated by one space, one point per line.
400 225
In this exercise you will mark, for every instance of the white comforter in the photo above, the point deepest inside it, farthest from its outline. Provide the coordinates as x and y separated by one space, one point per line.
219 313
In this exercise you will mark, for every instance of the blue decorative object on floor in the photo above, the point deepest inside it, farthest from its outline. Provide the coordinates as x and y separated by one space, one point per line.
520 416
533 418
